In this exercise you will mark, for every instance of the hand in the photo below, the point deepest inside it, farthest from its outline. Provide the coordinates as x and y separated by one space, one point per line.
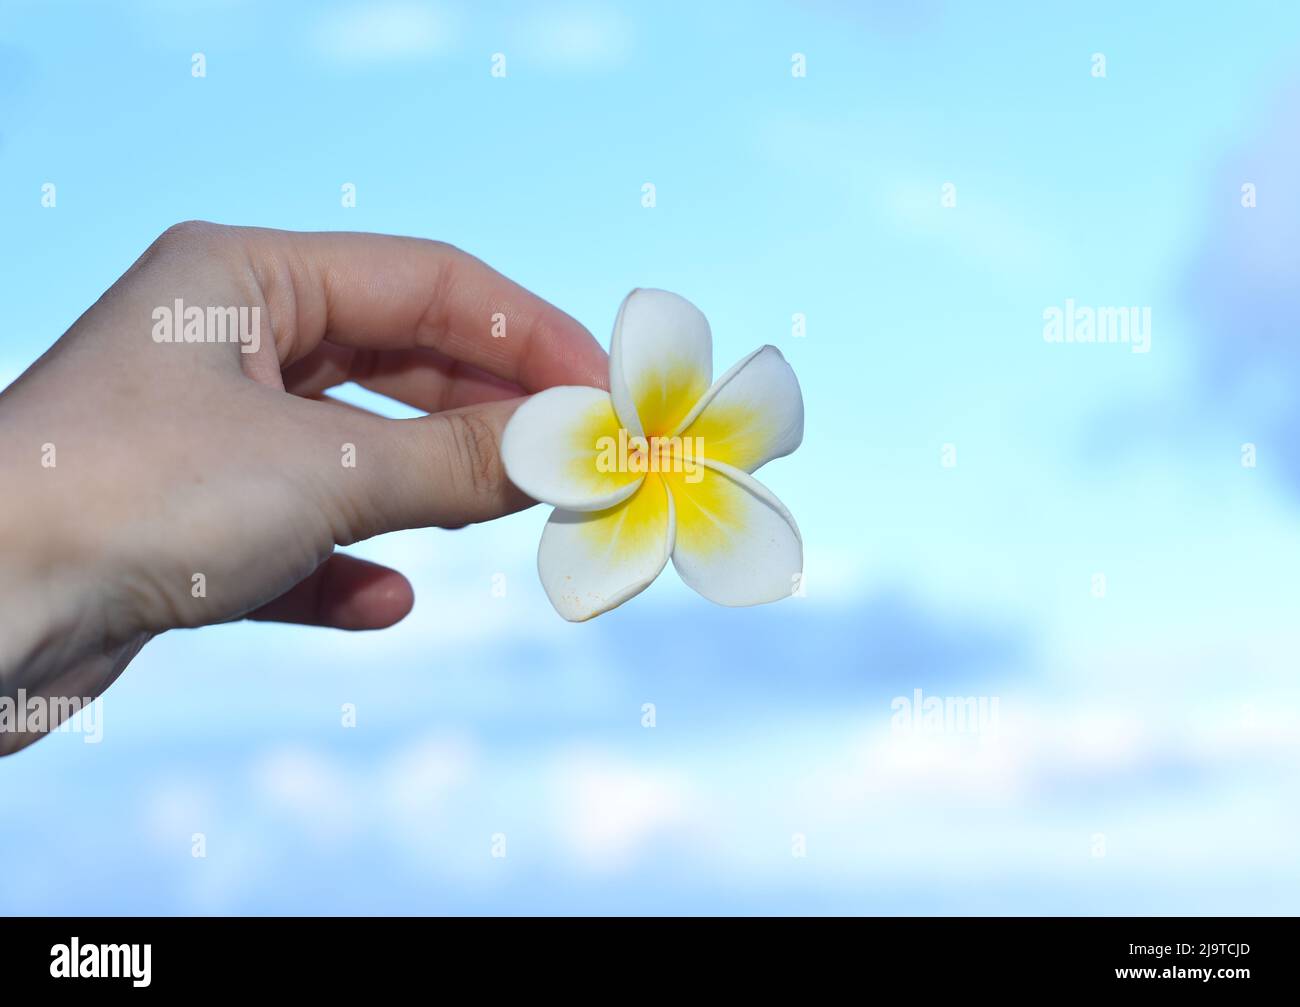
148 485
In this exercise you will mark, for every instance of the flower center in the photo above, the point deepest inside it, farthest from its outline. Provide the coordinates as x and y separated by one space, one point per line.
641 455
654 454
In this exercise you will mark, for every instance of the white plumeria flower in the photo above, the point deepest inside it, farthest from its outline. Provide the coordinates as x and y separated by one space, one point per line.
659 466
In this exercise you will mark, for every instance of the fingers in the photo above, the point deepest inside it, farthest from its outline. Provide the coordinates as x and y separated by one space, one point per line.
443 470
424 379
343 593
373 291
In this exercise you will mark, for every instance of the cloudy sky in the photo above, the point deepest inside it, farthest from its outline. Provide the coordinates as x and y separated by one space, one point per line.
942 177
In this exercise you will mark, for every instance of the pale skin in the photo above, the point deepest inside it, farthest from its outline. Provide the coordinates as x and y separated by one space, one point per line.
184 459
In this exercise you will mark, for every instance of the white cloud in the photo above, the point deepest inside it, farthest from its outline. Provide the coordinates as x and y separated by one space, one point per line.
872 803
382 32
175 809
835 573
576 37
330 799
416 780
608 810
307 786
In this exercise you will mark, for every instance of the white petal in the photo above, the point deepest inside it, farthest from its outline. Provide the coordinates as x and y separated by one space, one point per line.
551 449
660 361
590 563
736 543
752 414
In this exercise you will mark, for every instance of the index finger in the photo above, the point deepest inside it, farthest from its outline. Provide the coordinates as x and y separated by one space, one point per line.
378 291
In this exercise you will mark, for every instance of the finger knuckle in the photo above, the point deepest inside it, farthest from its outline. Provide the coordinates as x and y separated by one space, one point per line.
434 324
475 454
190 234
191 240
444 247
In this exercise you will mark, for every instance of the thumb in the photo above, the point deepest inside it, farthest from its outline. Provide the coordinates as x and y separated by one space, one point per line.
443 469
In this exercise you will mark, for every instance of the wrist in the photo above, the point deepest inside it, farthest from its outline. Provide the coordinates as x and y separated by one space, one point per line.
48 613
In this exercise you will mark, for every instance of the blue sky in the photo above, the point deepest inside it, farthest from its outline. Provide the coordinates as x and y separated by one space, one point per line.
1161 716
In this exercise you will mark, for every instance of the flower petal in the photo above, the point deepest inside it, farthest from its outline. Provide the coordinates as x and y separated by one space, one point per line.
752 414
736 544
552 445
660 361
590 563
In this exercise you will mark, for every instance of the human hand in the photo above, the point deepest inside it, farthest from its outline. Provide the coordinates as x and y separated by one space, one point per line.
153 485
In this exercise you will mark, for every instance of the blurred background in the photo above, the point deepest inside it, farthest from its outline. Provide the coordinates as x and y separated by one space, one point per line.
1098 545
